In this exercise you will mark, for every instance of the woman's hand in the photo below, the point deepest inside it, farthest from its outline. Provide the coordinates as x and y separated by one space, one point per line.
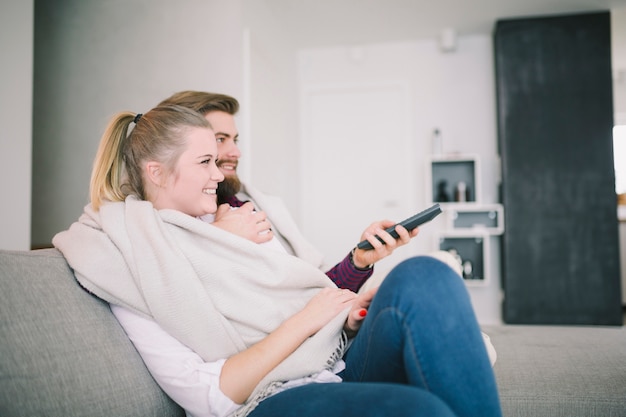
362 258
358 312
322 308
244 221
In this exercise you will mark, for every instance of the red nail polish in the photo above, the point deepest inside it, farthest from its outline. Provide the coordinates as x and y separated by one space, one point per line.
363 313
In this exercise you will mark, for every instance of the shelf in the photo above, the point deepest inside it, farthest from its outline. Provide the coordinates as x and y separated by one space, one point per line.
453 179
477 217
473 252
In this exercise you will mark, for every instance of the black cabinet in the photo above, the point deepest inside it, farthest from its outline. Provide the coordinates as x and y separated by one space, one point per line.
555 117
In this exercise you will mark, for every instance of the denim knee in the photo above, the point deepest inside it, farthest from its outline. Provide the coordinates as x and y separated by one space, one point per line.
423 273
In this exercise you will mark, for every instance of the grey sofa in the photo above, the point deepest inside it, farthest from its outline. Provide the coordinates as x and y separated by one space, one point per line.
62 353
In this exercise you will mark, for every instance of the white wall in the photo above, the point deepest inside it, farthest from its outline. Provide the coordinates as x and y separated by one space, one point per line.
271 105
618 51
454 92
16 49
450 91
97 57
618 45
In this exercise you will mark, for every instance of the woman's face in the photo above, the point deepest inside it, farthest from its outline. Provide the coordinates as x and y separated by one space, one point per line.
191 187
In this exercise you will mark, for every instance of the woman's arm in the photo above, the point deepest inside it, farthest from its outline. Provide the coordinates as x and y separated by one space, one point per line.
242 372
217 388
191 382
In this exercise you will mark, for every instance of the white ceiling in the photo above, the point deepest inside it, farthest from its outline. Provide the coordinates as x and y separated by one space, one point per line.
320 23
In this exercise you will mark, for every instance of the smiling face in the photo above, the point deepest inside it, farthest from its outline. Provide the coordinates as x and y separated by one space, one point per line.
191 187
227 141
227 137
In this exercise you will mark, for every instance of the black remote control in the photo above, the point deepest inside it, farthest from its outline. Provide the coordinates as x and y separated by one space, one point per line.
409 224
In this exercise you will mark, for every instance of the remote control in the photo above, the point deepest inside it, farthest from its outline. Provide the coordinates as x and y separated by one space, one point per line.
409 224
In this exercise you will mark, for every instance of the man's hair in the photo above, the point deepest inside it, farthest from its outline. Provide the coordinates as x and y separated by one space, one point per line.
203 102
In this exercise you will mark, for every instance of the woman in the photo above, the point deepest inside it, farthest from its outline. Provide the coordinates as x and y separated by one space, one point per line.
262 333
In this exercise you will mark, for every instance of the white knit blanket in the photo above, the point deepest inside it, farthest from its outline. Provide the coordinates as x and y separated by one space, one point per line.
212 290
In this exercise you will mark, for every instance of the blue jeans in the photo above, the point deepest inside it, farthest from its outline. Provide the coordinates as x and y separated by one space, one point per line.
419 352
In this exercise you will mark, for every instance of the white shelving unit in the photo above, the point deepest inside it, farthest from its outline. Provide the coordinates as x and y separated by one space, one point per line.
476 217
471 229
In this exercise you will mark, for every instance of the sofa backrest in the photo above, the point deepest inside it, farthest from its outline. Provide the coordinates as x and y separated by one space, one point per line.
62 353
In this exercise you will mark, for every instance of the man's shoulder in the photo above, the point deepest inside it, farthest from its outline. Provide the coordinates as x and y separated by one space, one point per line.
272 204
252 193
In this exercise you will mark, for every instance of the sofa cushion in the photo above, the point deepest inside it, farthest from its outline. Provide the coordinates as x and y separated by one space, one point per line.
62 353
560 371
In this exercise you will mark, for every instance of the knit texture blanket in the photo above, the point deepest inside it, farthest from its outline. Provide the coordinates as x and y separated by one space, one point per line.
213 291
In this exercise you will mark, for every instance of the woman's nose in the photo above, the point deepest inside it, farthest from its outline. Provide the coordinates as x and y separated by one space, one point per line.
218 175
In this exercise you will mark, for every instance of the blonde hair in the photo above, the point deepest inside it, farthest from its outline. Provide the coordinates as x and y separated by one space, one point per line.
159 135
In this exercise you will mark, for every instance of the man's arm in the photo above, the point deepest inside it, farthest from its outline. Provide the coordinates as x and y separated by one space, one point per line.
346 275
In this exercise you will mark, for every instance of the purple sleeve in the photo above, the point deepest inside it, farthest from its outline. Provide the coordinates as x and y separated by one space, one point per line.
346 275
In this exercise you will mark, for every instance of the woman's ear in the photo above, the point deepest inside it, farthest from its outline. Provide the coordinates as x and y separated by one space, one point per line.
154 173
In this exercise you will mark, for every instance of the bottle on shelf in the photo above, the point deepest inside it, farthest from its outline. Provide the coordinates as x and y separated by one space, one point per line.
460 193
442 193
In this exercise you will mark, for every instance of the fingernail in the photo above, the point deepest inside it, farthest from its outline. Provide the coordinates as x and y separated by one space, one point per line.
363 313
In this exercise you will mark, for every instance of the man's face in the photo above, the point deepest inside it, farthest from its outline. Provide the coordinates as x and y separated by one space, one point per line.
228 150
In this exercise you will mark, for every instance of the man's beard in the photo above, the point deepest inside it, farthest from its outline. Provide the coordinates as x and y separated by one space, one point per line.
227 189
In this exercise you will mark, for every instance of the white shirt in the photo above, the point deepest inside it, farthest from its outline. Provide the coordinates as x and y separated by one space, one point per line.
188 380
181 373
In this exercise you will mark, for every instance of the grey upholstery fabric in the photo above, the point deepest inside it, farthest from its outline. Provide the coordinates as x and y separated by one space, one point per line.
560 371
62 353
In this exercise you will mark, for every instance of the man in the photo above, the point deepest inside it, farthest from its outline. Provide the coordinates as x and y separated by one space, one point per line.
271 219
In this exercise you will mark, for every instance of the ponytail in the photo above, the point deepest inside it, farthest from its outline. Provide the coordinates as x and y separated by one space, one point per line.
108 168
